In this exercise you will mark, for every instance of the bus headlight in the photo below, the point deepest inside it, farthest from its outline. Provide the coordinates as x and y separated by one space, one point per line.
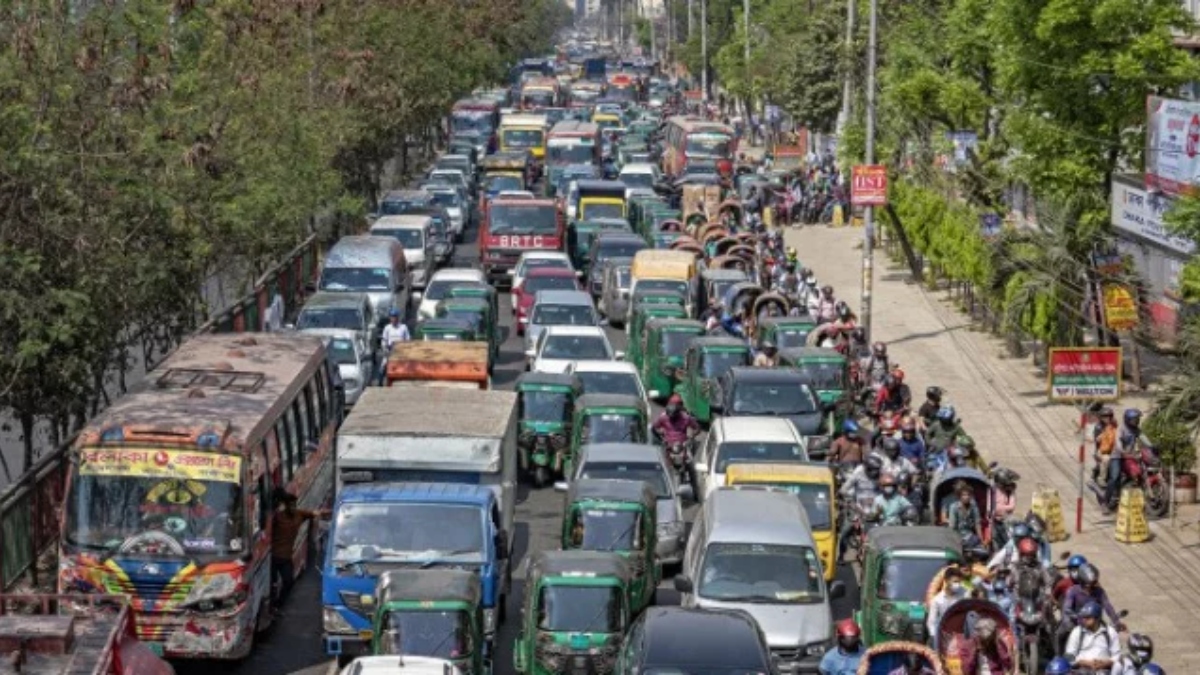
213 593
332 621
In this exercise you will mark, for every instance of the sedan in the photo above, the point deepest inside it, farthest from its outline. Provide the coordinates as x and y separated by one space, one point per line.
540 279
558 346
609 377
531 260
677 640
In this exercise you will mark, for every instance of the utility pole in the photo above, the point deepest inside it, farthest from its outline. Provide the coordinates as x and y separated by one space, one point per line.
691 17
868 279
746 10
704 50
848 83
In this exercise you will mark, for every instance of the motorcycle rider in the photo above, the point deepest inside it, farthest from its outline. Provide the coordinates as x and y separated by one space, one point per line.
889 505
1139 653
859 489
847 448
893 396
876 367
999 591
895 464
941 434
675 425
1074 564
825 307
768 356
974 459
1130 441
1086 591
793 258
789 283
1032 579
845 659
912 446
928 411
1093 644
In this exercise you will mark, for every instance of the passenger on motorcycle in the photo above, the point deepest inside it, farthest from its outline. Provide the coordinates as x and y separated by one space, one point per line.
928 411
889 505
845 659
973 459
1139 653
912 445
1092 644
675 425
1105 436
894 463
1130 442
941 434
876 367
859 489
825 306
1074 564
847 448
768 357
963 515
1086 591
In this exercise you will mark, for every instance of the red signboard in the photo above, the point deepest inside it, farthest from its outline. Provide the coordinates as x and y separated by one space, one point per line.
868 185
1084 374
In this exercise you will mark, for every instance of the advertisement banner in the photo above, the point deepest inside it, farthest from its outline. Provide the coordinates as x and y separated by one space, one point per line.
1172 145
1120 307
1141 214
868 185
157 463
1084 374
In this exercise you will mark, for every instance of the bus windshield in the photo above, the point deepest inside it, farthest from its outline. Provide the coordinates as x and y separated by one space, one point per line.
570 152
522 138
523 219
156 502
708 145
471 120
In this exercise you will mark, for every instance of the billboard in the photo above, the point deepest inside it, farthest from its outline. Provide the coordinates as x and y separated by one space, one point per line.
1172 145
1084 374
868 185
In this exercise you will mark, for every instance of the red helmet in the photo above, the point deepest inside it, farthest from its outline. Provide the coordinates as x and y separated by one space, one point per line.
675 400
847 628
898 374
1027 547
724 167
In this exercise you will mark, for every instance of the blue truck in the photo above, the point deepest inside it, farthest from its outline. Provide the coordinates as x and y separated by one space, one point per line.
425 477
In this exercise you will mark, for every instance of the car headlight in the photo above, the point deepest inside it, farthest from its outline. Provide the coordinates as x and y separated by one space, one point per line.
333 622
817 648
351 383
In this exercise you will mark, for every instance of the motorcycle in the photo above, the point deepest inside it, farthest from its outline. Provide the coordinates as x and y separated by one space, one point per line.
1143 471
679 454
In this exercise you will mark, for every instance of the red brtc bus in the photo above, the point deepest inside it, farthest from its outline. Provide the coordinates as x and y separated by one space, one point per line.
513 226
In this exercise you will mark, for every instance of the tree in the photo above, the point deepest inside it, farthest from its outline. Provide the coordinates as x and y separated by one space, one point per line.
811 72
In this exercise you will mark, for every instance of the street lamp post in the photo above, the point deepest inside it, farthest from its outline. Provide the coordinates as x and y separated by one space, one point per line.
868 277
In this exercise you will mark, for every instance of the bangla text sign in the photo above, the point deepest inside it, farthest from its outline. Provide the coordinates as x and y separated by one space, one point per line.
1085 374
868 185
1120 307
1172 145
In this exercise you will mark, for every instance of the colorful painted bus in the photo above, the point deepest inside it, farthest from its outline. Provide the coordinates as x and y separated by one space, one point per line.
689 138
169 493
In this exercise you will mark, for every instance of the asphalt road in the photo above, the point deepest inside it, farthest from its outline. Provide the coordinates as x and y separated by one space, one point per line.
293 644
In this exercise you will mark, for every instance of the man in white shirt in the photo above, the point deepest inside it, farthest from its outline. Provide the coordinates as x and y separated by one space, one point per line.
394 332
1093 644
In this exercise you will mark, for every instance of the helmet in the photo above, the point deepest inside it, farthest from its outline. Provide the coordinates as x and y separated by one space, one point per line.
1152 669
1058 666
1005 477
394 312
1090 610
1020 531
1037 526
1107 412
1141 649
907 425
791 253
911 515
873 464
848 628
887 480
898 374
842 309
891 447
1089 574
879 349
858 334
946 413
933 393
850 427
1075 562
675 400
1132 416
1027 547
767 346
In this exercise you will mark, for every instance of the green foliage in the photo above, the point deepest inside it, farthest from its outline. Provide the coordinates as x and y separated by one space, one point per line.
149 144
811 87
1174 439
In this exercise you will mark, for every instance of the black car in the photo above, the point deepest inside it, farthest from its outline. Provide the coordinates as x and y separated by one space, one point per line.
694 641
776 392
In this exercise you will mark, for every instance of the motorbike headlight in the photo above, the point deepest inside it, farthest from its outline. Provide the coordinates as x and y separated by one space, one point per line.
332 621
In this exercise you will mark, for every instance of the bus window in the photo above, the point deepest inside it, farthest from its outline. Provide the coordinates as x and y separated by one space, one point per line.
296 438
322 399
286 443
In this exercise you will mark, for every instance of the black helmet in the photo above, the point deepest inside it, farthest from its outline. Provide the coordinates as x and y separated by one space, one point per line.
1141 649
873 465
1005 477
933 393
911 515
842 309
1089 574
768 346
1037 526
891 447
858 334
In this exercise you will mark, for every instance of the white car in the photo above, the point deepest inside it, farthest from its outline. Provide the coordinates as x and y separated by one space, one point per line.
449 198
609 377
439 284
760 440
396 664
415 234
558 346
454 177
639 176
349 351
532 259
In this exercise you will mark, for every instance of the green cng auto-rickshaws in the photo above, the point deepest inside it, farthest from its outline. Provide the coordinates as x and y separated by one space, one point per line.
899 566
706 360
479 312
606 418
661 354
621 516
786 331
545 404
577 606
431 612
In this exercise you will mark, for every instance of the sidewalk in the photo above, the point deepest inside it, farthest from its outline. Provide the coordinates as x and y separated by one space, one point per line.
1003 403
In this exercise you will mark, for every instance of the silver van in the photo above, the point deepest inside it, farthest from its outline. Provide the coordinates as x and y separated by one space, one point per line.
371 265
751 548
415 234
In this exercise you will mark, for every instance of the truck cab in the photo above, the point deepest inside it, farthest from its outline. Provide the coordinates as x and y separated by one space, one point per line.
514 226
